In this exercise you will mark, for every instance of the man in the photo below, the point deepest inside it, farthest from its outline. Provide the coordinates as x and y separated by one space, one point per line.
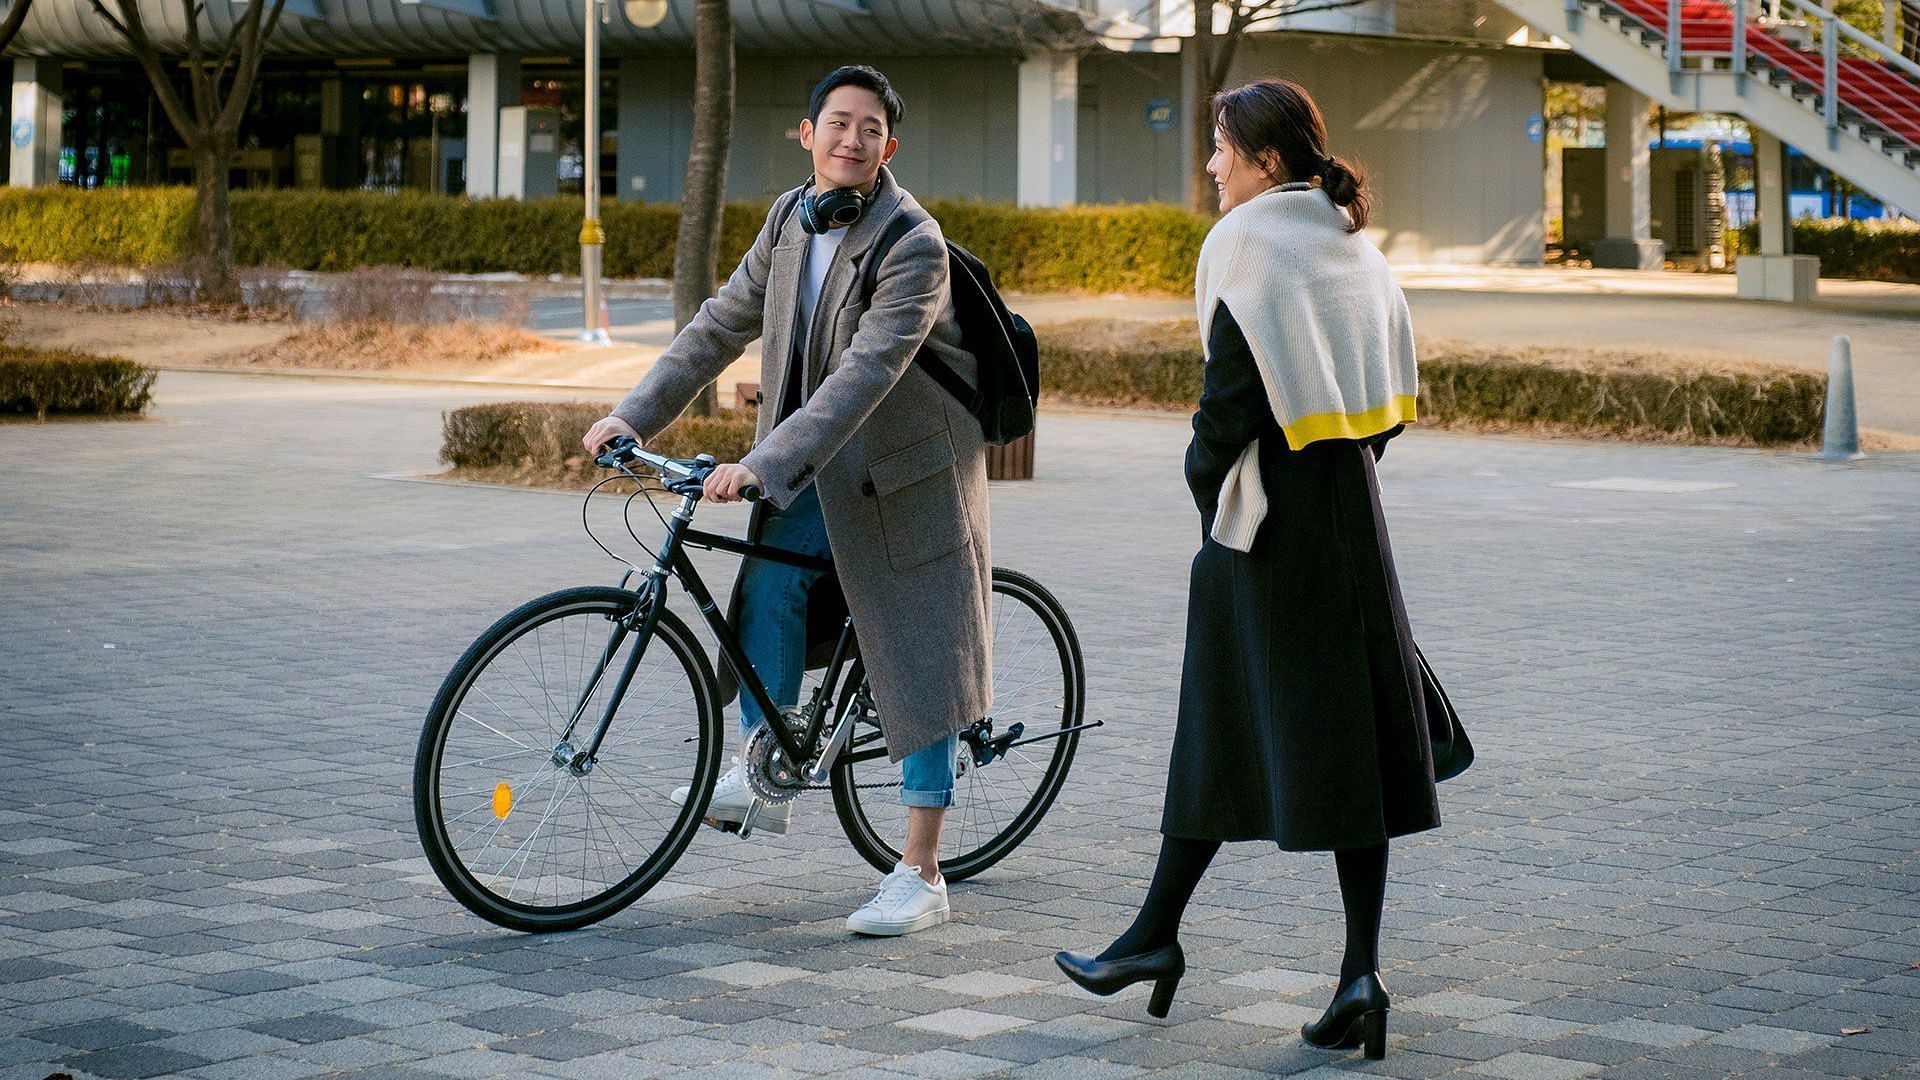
860 455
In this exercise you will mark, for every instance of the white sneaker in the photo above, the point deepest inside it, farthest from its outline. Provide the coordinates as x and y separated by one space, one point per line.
905 903
732 797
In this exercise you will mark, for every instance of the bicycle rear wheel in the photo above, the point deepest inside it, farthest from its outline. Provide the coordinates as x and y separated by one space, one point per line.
513 827
1039 683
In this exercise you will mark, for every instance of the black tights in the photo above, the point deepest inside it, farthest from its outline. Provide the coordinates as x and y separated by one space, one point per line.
1363 892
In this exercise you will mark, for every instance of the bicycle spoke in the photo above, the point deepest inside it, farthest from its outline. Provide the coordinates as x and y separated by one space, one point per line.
555 837
502 734
1035 681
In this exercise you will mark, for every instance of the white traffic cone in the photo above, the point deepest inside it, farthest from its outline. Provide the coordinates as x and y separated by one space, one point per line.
1840 441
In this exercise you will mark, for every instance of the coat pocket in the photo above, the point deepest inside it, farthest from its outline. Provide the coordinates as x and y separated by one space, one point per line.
918 498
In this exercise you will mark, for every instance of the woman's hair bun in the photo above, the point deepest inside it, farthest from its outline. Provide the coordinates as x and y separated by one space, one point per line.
1341 181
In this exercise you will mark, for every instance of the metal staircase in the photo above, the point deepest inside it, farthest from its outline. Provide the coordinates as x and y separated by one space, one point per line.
1788 67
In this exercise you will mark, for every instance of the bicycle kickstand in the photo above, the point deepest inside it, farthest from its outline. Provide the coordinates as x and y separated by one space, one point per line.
754 805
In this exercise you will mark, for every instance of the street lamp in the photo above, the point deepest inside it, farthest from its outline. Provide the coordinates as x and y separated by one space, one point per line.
643 14
592 237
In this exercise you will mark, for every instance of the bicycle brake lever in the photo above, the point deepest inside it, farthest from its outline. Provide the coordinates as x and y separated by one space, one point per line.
615 453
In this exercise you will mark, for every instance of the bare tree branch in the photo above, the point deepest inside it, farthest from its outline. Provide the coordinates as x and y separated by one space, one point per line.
1253 14
130 25
1258 17
253 45
16 16
209 120
197 81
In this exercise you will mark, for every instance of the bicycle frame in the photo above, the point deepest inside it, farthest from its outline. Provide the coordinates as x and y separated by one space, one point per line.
672 560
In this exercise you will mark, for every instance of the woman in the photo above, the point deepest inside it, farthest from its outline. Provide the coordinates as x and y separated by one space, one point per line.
1301 715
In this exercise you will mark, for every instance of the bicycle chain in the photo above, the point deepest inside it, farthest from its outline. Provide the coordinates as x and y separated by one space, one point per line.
861 787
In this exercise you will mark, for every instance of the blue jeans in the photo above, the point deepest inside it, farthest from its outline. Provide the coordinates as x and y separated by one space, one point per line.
773 634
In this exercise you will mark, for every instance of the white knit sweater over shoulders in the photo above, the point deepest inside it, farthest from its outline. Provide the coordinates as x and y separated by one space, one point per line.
1327 324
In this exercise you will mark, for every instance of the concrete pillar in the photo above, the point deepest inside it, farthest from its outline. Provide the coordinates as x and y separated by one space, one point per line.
1629 242
493 83
1191 88
653 116
1048 143
1775 273
1771 205
33 130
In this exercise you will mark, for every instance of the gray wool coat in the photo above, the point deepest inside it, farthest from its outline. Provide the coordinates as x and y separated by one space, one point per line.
899 464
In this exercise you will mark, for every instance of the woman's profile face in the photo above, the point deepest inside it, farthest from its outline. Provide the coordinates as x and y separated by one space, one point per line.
1236 177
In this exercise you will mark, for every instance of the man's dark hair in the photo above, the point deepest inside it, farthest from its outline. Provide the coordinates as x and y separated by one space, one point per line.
862 76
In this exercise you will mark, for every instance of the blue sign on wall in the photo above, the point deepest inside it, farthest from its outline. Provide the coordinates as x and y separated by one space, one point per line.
23 133
1536 128
1160 116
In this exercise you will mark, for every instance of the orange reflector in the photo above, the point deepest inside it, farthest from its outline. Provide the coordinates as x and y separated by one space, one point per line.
502 800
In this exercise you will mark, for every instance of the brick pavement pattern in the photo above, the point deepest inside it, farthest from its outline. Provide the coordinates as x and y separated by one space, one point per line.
1688 849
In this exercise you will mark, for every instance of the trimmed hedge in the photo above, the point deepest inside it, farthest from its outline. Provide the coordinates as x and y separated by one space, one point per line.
1100 249
1666 396
44 382
1134 249
1157 365
1876 251
1144 249
539 441
127 226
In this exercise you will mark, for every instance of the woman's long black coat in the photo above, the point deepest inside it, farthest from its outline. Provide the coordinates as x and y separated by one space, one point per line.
1301 716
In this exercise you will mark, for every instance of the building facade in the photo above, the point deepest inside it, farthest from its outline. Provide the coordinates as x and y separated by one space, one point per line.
1024 101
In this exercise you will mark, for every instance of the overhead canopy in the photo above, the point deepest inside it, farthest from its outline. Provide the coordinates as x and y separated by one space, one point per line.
346 28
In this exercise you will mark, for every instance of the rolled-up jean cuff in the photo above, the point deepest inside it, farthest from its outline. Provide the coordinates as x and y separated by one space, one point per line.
927 798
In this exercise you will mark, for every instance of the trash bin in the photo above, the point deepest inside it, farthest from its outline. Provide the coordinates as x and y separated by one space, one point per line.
1013 461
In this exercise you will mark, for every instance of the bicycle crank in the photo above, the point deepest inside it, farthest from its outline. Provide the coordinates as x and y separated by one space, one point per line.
769 774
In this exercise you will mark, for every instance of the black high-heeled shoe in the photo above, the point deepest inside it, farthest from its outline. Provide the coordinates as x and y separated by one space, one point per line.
1163 965
1356 1017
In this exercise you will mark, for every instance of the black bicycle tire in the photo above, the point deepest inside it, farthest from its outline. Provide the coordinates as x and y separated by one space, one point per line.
433 837
883 856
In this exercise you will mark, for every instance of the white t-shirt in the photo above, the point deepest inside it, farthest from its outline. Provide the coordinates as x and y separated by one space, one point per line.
820 250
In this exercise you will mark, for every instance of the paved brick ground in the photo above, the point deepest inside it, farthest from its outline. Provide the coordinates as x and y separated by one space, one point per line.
1688 850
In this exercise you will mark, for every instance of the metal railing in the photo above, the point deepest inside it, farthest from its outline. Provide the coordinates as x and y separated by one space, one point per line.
1741 54
1832 31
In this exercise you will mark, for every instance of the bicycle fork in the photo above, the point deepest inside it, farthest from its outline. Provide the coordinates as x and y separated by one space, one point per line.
642 622
651 598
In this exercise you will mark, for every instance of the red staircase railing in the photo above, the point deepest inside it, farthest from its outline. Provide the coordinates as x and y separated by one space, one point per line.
1879 90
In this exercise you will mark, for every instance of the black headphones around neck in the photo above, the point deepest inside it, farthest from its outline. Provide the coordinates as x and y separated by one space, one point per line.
826 210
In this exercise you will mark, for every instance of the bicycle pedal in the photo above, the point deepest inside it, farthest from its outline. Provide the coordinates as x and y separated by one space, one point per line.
723 826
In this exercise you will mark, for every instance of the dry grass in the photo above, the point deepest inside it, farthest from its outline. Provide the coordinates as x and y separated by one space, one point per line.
1638 395
386 346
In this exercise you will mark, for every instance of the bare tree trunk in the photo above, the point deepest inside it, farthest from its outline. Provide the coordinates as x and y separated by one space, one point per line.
1200 193
214 219
208 119
696 253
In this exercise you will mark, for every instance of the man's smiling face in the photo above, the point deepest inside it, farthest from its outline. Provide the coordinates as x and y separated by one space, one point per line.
850 141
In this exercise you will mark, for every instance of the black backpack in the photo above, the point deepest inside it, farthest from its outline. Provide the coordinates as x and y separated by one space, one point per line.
1006 353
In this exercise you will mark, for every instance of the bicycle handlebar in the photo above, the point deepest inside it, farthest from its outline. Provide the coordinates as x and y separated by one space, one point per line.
679 472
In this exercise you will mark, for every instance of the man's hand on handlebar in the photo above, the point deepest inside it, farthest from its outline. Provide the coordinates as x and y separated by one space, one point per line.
605 431
731 483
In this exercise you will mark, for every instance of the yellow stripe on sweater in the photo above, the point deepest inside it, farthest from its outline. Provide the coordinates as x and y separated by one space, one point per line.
1312 429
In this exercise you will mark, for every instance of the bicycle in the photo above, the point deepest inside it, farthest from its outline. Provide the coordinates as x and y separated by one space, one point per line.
559 734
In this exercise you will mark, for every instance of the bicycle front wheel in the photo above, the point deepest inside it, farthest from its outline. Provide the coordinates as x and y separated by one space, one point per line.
1039 684
514 826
